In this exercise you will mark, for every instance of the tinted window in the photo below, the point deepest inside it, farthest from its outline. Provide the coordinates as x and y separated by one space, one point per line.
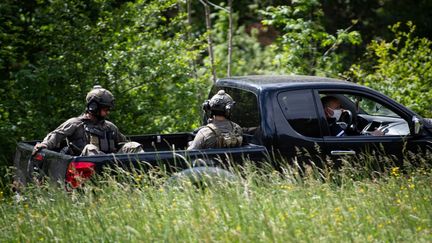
245 112
299 109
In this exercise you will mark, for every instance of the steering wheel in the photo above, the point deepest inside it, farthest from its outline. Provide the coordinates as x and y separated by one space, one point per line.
346 120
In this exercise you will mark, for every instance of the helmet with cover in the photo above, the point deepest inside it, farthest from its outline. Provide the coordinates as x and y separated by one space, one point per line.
98 98
220 104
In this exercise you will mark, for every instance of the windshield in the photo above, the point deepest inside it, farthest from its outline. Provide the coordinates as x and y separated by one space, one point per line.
370 107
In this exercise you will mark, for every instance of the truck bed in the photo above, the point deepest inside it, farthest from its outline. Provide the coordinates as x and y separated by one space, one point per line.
166 151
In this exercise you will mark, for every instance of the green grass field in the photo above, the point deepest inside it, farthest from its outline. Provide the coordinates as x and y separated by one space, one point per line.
261 206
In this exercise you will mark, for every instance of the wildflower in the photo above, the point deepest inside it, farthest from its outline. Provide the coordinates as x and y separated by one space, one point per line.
283 216
395 171
286 187
338 219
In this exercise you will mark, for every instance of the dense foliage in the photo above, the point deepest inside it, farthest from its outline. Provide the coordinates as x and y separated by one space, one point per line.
305 46
401 68
54 52
152 54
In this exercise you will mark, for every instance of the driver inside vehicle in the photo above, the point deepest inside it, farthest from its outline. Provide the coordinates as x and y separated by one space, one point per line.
337 117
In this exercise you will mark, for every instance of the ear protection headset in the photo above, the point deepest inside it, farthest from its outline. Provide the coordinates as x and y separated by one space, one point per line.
97 98
92 106
228 108
208 107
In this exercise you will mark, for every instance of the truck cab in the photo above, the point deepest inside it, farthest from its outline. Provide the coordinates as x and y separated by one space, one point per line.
285 114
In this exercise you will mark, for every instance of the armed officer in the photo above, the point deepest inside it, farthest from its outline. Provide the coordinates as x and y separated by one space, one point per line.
90 133
220 132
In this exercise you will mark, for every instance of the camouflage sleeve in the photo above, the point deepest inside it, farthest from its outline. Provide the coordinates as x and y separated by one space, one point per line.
198 141
238 130
121 138
54 138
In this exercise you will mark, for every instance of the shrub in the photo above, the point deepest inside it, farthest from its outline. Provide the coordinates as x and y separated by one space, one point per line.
401 68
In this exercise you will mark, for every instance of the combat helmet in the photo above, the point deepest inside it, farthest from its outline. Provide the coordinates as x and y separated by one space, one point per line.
97 98
220 104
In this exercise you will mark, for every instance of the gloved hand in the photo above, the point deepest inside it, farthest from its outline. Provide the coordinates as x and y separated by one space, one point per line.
38 147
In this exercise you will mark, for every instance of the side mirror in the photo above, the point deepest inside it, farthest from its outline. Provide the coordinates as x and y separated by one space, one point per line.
416 125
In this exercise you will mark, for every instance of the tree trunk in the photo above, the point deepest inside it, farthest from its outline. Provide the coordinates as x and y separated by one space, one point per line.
230 32
209 38
189 35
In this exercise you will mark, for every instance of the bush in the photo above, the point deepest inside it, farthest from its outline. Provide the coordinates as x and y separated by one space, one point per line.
401 68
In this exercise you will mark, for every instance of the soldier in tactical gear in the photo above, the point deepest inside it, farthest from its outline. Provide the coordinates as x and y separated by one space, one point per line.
90 133
220 132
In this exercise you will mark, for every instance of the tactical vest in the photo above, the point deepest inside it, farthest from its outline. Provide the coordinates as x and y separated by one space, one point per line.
226 139
101 138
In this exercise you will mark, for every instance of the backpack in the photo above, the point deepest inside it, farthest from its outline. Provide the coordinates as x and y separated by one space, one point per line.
229 139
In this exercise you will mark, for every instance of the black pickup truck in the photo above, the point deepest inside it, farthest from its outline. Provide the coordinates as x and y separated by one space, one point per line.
280 115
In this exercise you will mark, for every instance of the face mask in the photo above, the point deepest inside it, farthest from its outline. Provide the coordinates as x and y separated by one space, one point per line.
336 113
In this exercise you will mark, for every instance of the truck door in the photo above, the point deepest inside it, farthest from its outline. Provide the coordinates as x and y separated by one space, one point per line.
375 130
297 126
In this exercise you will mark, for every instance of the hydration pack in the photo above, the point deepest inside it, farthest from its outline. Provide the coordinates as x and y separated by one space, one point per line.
229 139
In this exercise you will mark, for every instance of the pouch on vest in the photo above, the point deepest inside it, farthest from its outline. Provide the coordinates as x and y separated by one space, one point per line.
226 139
104 140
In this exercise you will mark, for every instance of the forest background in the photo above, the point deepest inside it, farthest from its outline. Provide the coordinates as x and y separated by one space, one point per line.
154 56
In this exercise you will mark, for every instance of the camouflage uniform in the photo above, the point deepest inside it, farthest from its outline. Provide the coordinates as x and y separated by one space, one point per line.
218 134
87 137
90 133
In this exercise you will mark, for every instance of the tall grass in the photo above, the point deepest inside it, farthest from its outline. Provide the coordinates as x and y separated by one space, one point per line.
261 205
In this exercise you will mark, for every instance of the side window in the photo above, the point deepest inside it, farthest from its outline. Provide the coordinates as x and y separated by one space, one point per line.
245 112
369 116
299 109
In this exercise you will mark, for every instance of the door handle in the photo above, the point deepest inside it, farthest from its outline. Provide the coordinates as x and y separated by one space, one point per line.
343 152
